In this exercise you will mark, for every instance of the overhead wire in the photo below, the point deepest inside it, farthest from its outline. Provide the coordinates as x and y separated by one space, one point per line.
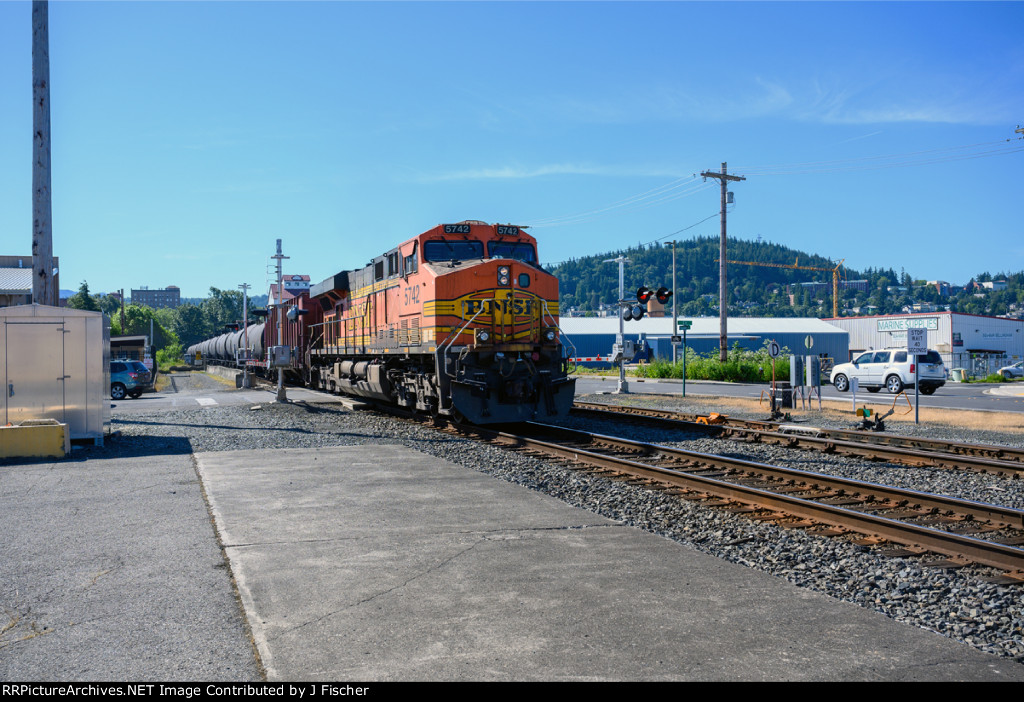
884 161
690 186
633 199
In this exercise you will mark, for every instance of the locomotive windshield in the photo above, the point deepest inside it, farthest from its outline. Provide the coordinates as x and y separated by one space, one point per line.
434 251
512 249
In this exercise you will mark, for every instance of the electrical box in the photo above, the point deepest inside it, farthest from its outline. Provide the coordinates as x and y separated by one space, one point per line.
813 366
280 356
796 371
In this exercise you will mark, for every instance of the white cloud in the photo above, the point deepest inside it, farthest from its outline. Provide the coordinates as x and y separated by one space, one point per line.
523 172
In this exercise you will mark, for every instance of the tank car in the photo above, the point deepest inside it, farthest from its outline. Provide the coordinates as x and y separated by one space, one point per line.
460 320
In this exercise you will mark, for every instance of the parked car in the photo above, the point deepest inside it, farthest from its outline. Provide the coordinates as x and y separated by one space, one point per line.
147 378
1013 371
892 369
127 380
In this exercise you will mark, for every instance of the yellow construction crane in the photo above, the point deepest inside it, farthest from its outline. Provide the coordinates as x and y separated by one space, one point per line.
797 266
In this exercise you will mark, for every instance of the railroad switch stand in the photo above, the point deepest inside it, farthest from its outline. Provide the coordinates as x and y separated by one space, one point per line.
868 424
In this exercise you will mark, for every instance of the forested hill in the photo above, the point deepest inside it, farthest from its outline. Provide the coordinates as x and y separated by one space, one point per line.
589 282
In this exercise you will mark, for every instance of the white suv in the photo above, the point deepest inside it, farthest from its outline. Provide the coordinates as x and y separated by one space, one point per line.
892 369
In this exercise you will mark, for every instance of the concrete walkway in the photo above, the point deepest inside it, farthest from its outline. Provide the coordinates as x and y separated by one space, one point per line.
382 563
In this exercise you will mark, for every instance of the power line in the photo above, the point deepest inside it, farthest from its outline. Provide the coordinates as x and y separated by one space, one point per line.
842 162
661 238
661 192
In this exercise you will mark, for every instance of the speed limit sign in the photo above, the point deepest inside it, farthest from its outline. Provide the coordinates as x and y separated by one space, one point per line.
774 350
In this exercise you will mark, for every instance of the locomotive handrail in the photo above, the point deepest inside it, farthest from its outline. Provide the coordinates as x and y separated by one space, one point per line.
456 335
562 333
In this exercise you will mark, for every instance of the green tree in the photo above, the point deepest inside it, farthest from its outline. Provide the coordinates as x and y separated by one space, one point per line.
137 322
222 307
82 300
110 305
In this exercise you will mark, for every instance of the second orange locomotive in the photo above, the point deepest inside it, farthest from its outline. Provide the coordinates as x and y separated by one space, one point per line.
460 320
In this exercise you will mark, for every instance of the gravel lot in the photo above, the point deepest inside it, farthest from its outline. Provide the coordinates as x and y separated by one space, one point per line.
954 603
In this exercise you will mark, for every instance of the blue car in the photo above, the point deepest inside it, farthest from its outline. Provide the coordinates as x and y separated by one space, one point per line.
127 379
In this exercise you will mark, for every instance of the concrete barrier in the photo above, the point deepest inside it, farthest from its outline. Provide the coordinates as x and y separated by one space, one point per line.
35 438
232 374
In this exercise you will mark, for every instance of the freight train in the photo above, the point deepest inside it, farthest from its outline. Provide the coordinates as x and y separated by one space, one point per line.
460 320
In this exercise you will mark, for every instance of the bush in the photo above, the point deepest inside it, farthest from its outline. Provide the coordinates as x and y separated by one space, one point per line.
169 355
740 366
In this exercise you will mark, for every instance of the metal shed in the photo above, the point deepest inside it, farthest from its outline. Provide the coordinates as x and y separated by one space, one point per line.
55 363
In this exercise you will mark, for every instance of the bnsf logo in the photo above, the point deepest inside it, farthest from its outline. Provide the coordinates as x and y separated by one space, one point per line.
516 306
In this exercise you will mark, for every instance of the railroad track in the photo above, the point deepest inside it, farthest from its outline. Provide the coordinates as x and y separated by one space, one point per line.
1004 461
903 522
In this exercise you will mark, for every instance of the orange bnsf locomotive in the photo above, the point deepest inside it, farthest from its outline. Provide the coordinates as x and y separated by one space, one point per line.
460 321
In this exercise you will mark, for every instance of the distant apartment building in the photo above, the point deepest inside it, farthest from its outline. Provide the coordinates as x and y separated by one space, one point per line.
944 288
157 299
816 286
994 285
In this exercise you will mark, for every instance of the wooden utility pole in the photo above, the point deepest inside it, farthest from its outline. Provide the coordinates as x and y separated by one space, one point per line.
43 288
723 295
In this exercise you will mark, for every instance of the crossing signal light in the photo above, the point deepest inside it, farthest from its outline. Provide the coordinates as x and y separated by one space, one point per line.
663 295
633 312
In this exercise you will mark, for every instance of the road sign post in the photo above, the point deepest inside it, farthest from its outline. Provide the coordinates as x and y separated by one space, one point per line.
917 344
684 324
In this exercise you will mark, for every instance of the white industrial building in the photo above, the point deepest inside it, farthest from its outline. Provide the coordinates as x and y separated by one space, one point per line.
977 343
592 337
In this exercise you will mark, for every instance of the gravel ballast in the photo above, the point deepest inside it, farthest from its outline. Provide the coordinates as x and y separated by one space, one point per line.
955 603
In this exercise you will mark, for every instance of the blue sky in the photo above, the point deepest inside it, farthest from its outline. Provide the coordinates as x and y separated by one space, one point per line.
188 136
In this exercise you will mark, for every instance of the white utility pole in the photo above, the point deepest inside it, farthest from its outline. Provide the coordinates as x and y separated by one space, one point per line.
244 287
623 386
281 395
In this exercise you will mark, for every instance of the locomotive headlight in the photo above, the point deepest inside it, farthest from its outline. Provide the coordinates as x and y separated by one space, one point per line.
503 275
550 335
483 336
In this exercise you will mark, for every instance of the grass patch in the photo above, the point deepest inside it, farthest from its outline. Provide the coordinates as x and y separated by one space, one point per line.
740 366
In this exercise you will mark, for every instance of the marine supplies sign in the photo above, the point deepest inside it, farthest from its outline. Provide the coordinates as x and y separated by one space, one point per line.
901 325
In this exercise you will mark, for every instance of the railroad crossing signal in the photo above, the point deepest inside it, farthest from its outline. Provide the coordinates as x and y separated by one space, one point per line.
636 311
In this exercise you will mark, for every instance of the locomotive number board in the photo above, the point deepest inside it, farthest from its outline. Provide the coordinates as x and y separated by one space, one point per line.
502 229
